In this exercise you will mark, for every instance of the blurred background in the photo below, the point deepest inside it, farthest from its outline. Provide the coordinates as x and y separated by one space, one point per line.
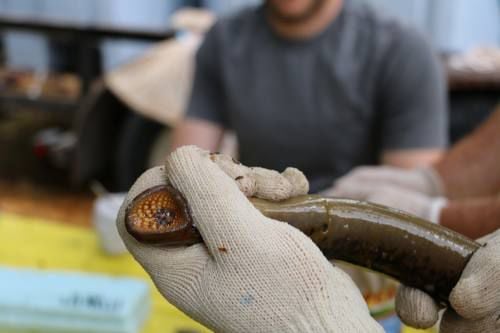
69 138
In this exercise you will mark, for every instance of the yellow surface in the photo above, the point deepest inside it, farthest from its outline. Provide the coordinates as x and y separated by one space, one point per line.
412 330
35 243
30 242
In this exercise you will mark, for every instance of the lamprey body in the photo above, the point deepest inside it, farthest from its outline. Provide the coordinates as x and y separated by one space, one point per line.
414 251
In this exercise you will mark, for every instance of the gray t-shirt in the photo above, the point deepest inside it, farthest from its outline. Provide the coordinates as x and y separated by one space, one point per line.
324 105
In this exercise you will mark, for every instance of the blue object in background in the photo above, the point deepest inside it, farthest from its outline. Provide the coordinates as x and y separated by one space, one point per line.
391 324
452 25
227 7
30 50
474 23
45 301
150 14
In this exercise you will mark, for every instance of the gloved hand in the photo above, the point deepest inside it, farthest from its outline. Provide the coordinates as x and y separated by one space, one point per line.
252 274
424 180
475 300
416 203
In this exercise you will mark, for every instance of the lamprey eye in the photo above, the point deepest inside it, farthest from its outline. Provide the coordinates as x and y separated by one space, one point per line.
159 215
164 216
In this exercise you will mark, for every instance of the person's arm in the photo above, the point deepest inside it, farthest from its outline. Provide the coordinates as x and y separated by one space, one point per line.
411 158
206 116
198 132
471 167
411 103
472 217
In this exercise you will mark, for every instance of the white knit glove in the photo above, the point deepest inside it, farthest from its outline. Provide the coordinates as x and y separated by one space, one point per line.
418 204
475 300
423 180
252 274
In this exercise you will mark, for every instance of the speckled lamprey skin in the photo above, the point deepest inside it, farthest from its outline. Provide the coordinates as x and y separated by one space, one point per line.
411 250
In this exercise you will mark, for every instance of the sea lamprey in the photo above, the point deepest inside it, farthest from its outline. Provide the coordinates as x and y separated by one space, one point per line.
414 251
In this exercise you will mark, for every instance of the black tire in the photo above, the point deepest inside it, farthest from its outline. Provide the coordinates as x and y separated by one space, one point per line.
133 149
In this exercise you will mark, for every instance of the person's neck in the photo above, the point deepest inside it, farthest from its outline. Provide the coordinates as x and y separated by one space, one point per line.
309 27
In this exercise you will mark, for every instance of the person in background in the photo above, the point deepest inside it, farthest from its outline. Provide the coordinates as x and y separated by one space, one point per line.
321 85
461 191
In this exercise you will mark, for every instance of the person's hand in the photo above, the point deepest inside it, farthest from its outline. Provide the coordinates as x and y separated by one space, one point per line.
475 300
418 204
252 274
414 191
425 181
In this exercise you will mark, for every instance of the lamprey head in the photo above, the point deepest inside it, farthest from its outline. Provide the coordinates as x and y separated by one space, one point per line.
160 216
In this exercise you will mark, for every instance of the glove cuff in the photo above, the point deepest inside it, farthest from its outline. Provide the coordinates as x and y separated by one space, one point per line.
435 183
435 209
